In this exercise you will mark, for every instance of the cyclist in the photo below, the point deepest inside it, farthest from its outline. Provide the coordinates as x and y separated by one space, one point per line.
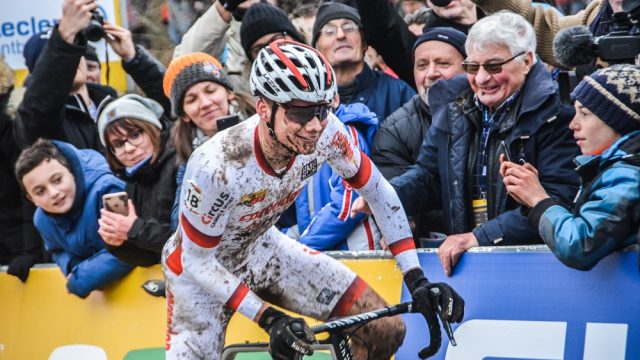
227 256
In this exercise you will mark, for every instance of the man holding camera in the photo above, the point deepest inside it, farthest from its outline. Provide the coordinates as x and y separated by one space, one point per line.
59 103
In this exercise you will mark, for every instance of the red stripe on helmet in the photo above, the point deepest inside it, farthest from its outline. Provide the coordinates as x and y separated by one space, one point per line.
275 47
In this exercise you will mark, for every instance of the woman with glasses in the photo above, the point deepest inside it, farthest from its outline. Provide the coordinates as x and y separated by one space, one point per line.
204 103
138 148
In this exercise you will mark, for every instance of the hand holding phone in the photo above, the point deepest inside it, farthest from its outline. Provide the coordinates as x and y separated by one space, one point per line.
505 150
116 202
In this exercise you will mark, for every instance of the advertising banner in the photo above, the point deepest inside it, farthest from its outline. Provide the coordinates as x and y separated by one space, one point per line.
520 304
25 18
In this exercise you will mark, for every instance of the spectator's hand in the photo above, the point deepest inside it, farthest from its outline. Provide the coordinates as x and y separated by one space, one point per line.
523 185
453 247
76 15
115 227
120 40
360 206
20 266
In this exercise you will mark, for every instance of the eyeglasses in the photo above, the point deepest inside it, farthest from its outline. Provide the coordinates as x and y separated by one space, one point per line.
257 47
331 30
303 114
134 138
492 68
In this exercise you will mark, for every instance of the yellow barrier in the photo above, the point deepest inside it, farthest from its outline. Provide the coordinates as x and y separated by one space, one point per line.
40 316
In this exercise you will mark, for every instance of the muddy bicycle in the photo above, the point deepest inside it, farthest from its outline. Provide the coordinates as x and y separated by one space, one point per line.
336 345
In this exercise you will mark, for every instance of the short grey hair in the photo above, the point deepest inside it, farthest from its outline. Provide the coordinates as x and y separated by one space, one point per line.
503 28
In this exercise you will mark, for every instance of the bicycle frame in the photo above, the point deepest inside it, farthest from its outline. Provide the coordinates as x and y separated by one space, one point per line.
337 342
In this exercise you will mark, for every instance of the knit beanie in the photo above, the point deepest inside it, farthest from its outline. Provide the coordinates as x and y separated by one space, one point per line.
90 54
613 94
33 48
129 106
331 11
188 70
262 19
451 36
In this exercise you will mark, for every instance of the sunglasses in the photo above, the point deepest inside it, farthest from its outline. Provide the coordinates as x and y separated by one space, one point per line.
492 68
303 114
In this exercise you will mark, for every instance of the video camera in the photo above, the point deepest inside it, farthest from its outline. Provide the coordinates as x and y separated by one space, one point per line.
576 46
622 45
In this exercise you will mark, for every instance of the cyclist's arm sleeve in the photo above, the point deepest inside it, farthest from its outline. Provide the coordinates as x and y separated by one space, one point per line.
362 175
205 203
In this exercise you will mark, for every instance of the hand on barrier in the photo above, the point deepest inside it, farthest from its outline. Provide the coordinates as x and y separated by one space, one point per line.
288 336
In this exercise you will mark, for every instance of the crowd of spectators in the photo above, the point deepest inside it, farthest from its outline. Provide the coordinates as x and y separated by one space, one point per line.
458 109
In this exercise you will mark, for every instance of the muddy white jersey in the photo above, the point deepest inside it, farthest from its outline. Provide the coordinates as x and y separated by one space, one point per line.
231 196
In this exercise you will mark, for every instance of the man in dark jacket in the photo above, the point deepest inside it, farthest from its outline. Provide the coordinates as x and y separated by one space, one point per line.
337 35
438 54
59 103
512 98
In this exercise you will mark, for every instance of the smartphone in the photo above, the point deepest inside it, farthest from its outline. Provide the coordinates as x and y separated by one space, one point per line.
505 150
227 121
116 202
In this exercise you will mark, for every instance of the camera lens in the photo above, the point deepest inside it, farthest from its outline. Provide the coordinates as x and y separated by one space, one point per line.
94 31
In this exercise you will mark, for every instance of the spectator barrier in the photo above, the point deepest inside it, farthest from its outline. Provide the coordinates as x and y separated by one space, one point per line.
522 303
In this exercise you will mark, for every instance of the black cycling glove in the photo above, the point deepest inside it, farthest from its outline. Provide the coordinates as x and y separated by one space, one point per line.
287 335
451 303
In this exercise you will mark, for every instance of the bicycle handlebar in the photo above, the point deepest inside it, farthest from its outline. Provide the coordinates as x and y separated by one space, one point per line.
435 335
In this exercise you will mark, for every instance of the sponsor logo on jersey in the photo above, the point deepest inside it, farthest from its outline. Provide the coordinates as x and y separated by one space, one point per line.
273 207
217 208
309 169
325 296
253 198
341 142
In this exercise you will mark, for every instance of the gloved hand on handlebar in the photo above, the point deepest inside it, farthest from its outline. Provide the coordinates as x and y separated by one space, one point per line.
451 303
287 335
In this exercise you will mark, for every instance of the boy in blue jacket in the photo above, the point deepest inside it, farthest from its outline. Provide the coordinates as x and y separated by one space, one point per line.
67 184
606 212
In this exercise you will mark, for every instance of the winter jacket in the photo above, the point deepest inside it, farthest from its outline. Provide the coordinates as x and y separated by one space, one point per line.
381 93
152 189
73 238
323 206
606 214
18 236
398 140
535 131
597 16
49 111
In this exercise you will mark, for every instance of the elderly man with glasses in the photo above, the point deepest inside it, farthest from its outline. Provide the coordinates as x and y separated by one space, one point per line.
337 34
507 97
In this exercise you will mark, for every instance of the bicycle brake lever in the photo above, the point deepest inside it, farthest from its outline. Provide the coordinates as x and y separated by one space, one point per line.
435 294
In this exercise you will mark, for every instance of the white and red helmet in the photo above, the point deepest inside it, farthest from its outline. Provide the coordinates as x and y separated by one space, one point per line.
286 70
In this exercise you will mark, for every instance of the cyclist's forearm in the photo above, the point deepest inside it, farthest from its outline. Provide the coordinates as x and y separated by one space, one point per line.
388 211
